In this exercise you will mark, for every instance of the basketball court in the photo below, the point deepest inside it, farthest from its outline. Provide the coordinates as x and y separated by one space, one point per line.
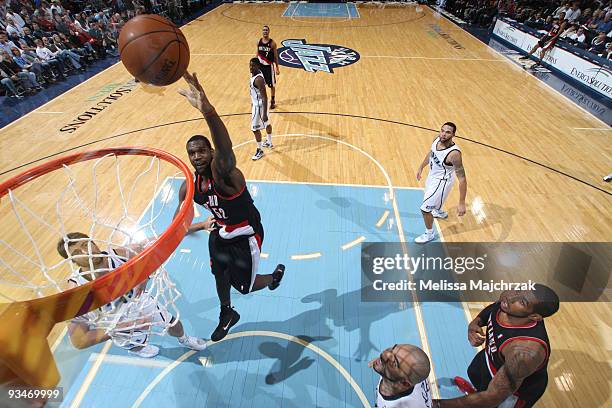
356 116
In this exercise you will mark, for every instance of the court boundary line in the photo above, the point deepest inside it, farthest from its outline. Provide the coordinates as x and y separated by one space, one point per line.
559 94
222 13
400 57
347 115
258 333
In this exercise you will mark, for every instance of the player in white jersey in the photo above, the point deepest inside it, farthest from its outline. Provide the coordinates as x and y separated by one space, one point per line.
136 302
259 112
444 161
403 370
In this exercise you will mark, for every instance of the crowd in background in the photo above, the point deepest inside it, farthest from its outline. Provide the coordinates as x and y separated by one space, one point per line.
43 42
588 23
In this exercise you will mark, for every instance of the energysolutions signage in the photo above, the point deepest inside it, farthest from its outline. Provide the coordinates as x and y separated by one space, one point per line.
105 98
594 76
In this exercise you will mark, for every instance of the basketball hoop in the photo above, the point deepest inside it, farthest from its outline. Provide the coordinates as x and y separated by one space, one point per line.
24 350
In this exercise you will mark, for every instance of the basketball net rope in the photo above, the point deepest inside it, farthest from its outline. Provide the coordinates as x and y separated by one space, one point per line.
130 319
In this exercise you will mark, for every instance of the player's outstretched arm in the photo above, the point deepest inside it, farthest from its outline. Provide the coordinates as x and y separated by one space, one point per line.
82 337
224 160
522 358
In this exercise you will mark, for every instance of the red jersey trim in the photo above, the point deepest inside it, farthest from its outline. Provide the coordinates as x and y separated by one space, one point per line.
512 327
230 228
230 197
264 58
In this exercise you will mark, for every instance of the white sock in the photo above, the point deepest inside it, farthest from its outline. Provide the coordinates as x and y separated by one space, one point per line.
259 145
269 137
429 231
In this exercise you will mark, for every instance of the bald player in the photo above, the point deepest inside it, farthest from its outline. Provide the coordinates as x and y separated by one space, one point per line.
403 370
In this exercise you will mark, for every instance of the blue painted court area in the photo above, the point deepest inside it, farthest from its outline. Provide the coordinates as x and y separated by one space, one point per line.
306 344
324 10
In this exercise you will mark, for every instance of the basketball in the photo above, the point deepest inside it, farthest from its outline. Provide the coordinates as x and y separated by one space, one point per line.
154 50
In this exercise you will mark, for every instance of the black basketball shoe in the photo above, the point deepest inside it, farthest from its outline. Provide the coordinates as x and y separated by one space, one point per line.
277 276
227 318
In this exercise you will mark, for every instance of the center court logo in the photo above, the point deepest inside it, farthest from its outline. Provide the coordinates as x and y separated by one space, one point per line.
315 57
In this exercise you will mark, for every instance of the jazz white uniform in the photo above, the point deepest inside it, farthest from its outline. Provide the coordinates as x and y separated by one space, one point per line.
440 178
257 122
418 397
124 311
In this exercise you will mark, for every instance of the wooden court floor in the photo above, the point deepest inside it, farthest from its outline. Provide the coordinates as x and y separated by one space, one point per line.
534 160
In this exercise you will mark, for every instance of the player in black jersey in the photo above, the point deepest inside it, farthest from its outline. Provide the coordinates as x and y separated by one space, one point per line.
236 233
548 41
511 370
267 53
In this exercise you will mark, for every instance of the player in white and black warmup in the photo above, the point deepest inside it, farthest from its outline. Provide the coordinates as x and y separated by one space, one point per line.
444 160
236 232
142 307
267 53
259 109
403 371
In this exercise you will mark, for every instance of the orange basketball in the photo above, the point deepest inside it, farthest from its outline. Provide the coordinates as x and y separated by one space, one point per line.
153 49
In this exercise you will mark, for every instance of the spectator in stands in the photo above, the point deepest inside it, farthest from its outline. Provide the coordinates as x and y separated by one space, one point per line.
29 63
81 22
12 73
12 28
598 17
37 31
578 38
585 16
64 55
46 55
573 13
608 53
572 29
598 45
96 33
562 9
536 20
5 44
16 18
28 38
56 7
60 23
606 24
62 42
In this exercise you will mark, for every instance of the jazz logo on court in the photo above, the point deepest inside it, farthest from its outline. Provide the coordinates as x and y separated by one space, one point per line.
315 57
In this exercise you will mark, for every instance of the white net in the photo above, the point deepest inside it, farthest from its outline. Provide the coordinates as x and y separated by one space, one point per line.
117 206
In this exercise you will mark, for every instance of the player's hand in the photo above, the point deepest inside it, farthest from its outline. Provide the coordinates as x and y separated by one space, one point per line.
371 363
209 223
418 174
195 95
277 71
265 117
475 334
461 209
